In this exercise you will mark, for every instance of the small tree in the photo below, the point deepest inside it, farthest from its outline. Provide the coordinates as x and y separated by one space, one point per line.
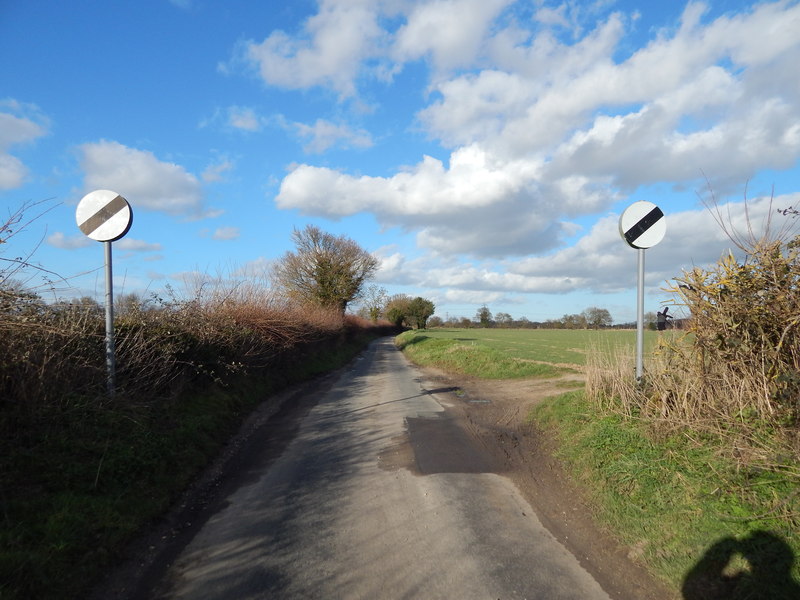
574 321
396 309
419 309
504 319
374 299
326 270
597 317
435 321
484 316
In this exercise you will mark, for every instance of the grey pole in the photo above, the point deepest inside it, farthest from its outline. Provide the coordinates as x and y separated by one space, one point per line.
640 318
110 360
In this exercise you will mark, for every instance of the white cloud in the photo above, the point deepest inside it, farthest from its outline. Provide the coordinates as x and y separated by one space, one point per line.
548 91
255 269
134 245
546 117
473 297
226 233
215 172
473 180
19 124
141 178
244 118
324 134
329 53
599 262
12 172
15 129
552 127
346 40
59 240
478 205
431 29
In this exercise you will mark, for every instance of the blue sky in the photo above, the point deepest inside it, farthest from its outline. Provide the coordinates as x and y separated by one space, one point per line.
483 150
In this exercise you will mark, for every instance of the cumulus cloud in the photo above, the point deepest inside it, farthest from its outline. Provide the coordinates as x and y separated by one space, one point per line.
431 30
327 53
600 261
144 180
544 118
457 208
19 124
543 128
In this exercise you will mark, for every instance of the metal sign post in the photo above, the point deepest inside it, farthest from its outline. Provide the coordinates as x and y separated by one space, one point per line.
642 226
111 360
640 315
105 216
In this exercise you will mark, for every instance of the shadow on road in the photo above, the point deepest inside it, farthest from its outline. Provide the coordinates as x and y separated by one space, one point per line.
757 567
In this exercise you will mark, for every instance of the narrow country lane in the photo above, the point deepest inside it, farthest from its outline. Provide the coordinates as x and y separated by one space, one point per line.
379 495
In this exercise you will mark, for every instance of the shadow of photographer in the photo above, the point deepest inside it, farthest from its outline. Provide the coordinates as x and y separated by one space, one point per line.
723 574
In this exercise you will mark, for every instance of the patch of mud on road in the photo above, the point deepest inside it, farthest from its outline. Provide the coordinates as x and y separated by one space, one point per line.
495 414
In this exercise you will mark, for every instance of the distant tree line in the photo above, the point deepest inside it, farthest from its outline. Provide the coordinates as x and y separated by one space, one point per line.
591 318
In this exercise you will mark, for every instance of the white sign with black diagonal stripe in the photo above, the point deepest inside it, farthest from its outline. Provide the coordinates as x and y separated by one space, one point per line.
104 216
642 225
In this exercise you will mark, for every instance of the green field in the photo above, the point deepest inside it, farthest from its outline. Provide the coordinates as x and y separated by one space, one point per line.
556 346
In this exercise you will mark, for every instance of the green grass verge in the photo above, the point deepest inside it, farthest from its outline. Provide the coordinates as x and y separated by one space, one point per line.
465 356
675 502
77 484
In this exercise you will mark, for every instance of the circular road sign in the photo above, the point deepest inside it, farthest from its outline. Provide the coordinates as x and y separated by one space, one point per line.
104 216
642 225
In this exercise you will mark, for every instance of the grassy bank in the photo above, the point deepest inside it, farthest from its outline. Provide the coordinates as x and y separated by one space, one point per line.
681 502
699 507
81 473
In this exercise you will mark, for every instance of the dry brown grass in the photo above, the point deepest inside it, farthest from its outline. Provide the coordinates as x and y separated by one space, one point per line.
55 353
740 360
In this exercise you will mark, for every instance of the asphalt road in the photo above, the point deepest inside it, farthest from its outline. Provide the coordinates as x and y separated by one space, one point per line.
378 494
